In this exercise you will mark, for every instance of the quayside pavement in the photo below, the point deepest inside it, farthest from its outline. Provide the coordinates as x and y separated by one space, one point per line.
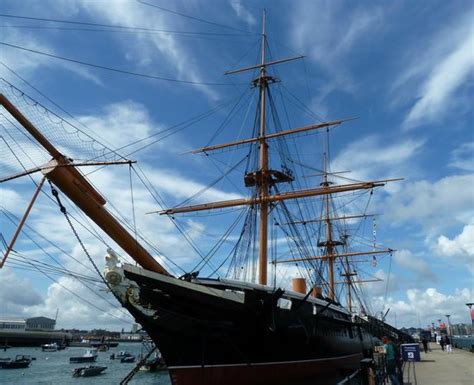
440 368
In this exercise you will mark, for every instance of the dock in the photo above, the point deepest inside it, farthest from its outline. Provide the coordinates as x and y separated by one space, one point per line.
440 368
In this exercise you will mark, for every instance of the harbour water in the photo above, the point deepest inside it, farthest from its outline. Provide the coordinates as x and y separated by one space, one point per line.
53 368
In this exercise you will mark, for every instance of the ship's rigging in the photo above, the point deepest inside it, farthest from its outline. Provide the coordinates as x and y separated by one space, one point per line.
315 256
208 324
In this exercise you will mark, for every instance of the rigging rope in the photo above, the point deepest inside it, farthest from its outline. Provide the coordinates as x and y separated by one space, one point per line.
113 69
86 252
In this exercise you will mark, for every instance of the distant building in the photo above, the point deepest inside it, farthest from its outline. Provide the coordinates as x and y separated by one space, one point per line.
135 328
40 323
131 337
12 325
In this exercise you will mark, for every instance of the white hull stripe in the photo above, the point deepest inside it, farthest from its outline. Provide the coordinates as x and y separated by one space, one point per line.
267 363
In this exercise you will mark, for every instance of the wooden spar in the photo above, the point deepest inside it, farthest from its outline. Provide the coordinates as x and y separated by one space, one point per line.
73 184
267 64
344 217
29 127
359 281
22 222
263 193
276 197
81 164
352 254
271 136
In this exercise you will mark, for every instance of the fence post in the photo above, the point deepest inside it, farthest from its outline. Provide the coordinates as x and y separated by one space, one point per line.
367 366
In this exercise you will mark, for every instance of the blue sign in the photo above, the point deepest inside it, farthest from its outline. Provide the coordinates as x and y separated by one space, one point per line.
410 352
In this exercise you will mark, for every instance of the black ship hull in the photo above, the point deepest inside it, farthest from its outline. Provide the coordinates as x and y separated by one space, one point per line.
215 332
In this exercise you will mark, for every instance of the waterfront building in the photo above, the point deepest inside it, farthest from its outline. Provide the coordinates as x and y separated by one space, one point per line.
40 323
12 324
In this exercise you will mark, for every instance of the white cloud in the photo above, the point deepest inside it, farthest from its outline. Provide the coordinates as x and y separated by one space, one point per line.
433 71
421 307
389 283
120 123
11 200
178 186
444 80
372 157
242 12
463 157
339 30
408 261
15 302
149 49
434 205
461 247
77 310
26 63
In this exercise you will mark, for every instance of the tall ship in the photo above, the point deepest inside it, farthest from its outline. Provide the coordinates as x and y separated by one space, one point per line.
244 327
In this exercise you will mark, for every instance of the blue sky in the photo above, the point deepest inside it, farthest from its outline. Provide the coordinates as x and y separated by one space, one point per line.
403 68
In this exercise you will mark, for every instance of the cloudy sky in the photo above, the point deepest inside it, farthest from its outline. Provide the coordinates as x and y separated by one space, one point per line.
405 69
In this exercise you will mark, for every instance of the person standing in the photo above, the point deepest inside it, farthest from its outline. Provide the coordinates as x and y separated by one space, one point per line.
449 348
425 344
442 342
390 360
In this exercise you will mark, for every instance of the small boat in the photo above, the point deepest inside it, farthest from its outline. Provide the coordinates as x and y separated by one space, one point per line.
120 355
89 356
53 347
128 359
88 371
21 361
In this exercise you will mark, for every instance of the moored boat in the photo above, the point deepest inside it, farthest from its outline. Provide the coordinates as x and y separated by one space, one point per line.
21 361
128 359
88 371
52 347
90 355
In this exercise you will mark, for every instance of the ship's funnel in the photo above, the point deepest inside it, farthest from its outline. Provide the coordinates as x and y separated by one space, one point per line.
317 291
299 285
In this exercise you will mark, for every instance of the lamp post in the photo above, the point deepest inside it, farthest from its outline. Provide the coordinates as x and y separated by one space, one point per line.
450 334
469 305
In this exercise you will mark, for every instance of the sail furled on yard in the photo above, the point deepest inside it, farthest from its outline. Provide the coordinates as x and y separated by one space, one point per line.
20 152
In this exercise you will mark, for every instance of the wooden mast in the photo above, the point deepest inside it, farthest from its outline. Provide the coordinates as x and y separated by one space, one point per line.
263 185
329 242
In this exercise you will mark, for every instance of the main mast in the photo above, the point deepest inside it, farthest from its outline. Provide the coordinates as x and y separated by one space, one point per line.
263 178
263 153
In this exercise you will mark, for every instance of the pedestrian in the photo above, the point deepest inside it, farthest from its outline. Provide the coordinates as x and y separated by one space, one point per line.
424 341
390 360
449 348
442 342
